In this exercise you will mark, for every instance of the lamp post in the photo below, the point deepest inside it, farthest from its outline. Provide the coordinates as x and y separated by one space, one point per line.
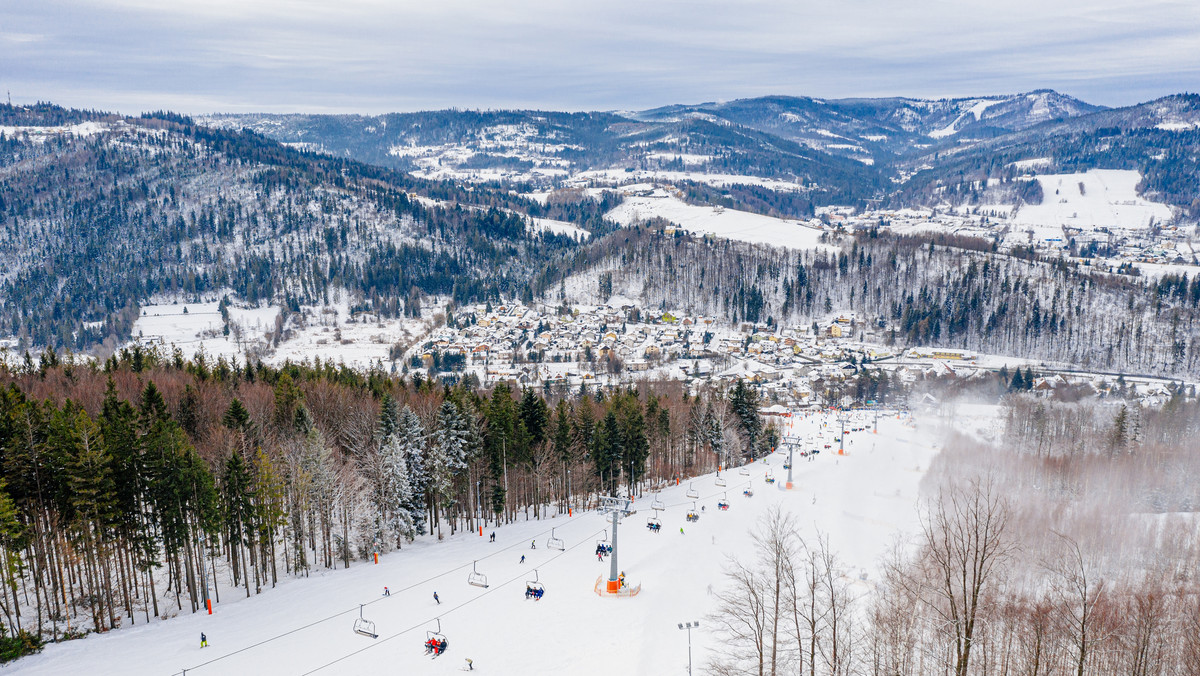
689 626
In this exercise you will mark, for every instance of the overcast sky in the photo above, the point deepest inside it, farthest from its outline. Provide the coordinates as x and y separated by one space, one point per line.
374 56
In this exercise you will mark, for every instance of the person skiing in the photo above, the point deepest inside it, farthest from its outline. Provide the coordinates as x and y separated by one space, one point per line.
203 640
470 665
522 558
387 592
492 540
533 544
435 598
599 556
681 530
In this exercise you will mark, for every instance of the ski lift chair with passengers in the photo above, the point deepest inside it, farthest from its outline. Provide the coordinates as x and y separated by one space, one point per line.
723 503
476 578
654 524
435 641
603 542
534 589
693 515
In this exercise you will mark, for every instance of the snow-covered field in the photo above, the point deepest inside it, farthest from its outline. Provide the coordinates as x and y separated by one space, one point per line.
1108 198
331 332
861 501
726 223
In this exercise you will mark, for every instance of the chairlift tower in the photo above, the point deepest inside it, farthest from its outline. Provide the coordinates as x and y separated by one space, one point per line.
617 507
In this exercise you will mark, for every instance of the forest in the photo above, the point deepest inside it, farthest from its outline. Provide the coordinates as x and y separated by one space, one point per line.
953 292
130 485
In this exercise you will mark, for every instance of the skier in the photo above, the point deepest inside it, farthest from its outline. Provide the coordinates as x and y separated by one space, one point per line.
470 665
599 556
681 530
386 592
533 544
203 640
492 540
435 598
522 558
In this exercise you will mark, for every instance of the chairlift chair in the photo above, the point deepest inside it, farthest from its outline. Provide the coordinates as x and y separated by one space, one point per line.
723 504
555 543
657 505
720 480
749 492
603 542
534 588
692 492
693 515
743 471
476 578
770 478
364 626
439 637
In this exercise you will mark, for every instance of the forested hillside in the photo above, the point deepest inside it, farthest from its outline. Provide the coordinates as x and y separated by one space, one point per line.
123 480
199 210
949 291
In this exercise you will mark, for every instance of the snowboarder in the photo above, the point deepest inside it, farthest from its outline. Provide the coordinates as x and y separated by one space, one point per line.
203 640
387 592
435 598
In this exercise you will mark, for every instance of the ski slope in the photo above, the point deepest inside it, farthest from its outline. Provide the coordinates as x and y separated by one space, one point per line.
861 501
718 222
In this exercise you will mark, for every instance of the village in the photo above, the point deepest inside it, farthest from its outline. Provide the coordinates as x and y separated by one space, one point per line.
843 361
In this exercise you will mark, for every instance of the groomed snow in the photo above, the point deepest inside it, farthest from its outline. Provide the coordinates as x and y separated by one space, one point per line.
861 501
1109 199
726 223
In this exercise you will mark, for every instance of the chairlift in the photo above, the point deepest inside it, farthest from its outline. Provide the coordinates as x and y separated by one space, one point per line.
603 542
534 588
692 492
749 492
476 578
653 524
743 471
435 641
364 626
693 515
555 543
723 503
720 480
770 478
657 505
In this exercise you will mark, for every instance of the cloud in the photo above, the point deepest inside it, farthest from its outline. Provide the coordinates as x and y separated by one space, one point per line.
384 55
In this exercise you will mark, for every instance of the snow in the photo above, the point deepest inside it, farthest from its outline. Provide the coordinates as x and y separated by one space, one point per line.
976 110
560 228
860 501
1178 126
1109 199
725 223
81 129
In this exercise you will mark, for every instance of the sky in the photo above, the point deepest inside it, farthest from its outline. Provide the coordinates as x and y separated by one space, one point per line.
375 56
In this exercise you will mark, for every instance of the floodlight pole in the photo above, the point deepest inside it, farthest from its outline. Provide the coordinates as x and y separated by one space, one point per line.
690 626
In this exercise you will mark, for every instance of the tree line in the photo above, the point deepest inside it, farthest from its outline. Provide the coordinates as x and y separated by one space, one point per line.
149 485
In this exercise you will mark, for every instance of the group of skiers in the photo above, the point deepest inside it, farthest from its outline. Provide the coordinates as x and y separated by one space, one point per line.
535 594
436 646
603 549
